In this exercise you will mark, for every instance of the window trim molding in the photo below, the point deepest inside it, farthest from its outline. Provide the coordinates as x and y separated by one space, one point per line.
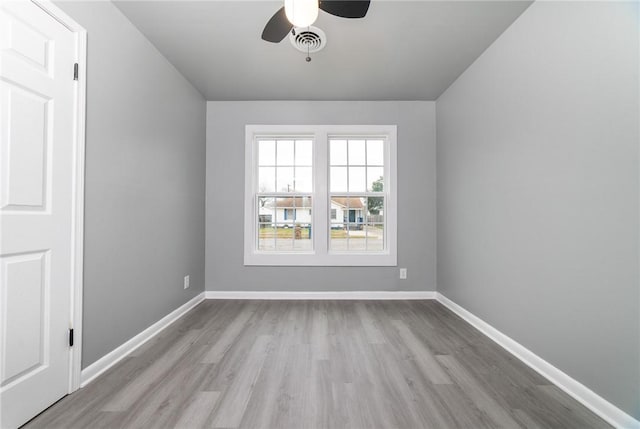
320 255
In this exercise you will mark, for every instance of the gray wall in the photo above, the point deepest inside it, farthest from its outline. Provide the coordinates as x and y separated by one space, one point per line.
225 196
145 171
538 174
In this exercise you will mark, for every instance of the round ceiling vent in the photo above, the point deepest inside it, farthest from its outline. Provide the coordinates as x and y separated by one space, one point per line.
308 39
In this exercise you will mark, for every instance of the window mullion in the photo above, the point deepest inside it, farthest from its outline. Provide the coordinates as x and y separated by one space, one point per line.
365 219
320 202
294 215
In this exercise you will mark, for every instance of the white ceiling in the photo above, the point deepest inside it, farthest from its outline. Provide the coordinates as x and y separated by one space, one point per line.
402 50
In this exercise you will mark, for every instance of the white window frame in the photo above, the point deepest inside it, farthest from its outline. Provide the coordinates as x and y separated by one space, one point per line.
320 255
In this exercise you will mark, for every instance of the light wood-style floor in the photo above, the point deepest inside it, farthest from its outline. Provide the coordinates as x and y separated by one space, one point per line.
319 364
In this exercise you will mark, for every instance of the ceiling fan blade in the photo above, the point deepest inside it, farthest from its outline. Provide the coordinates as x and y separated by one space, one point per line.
346 8
277 28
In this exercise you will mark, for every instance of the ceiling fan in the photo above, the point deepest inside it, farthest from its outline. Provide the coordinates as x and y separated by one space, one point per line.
303 13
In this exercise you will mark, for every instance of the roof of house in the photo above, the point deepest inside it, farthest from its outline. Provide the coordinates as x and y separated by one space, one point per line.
353 203
305 202
297 202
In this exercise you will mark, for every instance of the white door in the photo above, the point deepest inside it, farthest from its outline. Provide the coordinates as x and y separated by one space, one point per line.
37 56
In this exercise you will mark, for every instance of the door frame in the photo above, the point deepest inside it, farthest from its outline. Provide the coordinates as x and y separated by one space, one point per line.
77 200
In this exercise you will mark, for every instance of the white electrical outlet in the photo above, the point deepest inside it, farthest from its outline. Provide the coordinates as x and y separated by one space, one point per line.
403 273
186 282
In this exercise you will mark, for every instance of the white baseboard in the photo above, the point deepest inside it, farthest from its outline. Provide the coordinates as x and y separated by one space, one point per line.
361 295
581 393
107 361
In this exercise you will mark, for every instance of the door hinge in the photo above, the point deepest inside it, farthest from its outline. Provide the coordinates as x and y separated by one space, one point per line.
75 71
71 337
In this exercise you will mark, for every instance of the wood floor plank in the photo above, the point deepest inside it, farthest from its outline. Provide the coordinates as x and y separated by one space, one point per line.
478 395
223 373
294 388
319 364
228 338
262 408
374 336
526 420
461 409
401 383
320 332
197 413
422 355
151 375
234 402
162 405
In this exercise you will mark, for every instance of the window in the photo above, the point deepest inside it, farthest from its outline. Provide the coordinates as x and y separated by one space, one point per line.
356 188
320 195
284 180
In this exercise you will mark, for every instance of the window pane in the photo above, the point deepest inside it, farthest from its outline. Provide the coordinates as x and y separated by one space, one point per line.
338 152
304 153
290 214
284 238
348 209
303 245
303 179
266 210
375 237
284 179
337 227
284 211
339 237
281 213
284 224
360 207
357 236
375 152
302 231
285 152
302 237
338 234
290 210
375 209
303 217
266 179
303 210
266 152
357 181
340 206
304 202
355 228
338 179
375 179
356 152
266 237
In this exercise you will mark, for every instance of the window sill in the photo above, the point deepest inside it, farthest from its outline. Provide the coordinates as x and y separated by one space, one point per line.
315 260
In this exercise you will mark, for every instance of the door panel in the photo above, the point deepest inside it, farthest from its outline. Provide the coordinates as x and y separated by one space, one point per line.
26 288
25 152
37 161
23 39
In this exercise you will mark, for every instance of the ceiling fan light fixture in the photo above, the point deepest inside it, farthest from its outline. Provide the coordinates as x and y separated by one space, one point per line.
301 13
